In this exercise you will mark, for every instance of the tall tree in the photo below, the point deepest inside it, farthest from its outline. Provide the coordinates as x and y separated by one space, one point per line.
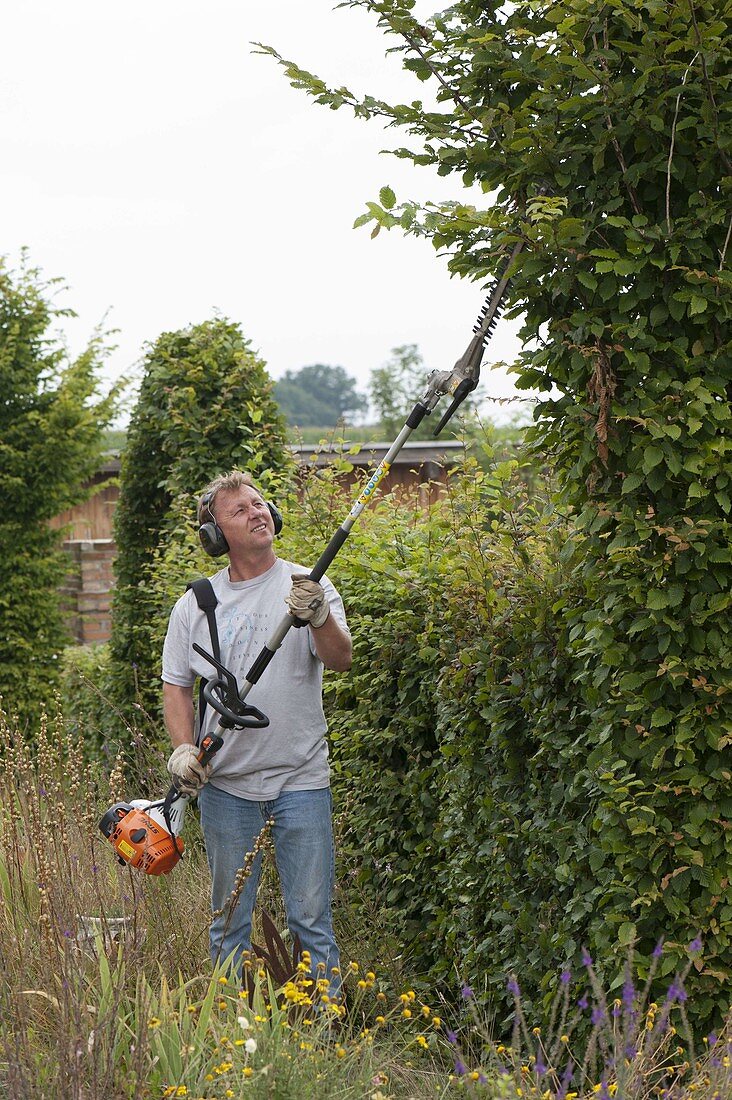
604 134
205 406
319 396
52 422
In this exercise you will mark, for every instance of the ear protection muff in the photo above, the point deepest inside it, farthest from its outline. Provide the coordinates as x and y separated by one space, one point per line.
212 537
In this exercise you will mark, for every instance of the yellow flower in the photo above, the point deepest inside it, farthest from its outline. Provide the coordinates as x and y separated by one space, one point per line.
537 1031
153 1022
474 1076
340 1052
426 1010
407 1013
564 1038
247 1071
436 1021
222 1004
223 980
362 984
381 1019
353 967
381 996
422 1042
370 977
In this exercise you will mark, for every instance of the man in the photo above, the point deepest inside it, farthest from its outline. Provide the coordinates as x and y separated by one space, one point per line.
281 771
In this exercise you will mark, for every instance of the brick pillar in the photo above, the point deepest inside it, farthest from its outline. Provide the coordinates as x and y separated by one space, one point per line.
88 588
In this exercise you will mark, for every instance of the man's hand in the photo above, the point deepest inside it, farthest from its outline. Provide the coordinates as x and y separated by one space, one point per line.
307 600
187 771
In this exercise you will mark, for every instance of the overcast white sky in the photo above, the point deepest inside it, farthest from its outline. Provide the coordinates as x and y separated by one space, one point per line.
165 171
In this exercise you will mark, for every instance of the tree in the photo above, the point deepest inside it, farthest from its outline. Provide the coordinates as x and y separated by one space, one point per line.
205 406
397 386
319 396
603 134
52 421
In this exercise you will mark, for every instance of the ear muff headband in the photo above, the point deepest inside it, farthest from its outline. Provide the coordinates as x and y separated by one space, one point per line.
212 537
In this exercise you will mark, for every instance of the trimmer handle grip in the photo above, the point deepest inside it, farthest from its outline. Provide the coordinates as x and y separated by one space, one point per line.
209 746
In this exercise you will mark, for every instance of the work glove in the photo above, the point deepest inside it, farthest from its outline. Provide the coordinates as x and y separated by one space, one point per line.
307 601
187 771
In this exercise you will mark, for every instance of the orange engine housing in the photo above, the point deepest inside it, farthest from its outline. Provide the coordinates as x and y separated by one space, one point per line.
142 842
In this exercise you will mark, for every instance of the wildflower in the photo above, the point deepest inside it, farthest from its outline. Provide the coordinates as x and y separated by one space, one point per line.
513 987
421 1039
536 1031
223 980
460 1068
243 1023
153 1022
340 1052
564 1038
247 1071
353 967
436 1021
597 1016
586 958
582 1002
658 950
466 992
565 977
407 1013
474 1075
451 1037
370 977
695 945
381 1019
250 1046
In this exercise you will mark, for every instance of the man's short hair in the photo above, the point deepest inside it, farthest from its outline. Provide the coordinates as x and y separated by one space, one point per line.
235 479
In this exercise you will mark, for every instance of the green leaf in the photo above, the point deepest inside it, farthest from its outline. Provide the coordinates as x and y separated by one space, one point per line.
652 456
387 197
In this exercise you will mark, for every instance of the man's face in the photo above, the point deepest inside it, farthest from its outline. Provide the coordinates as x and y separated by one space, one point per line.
244 518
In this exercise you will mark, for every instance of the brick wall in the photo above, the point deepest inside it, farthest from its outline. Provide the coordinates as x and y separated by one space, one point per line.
87 591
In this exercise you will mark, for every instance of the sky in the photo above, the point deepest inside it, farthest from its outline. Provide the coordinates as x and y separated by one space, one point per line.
166 172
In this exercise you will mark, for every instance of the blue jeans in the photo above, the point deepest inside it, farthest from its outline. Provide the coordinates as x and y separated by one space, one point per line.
303 841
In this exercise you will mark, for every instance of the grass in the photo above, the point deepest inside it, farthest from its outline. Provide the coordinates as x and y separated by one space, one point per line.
107 992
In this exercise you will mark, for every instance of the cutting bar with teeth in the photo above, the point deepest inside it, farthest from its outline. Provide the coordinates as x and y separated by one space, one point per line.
457 383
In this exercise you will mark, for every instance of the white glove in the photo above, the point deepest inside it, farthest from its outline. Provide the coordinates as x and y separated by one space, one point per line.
307 600
187 771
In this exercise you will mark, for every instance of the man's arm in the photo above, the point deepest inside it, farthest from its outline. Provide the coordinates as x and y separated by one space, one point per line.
178 714
332 644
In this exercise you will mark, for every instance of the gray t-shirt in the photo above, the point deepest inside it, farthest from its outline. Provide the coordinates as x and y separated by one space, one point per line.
291 754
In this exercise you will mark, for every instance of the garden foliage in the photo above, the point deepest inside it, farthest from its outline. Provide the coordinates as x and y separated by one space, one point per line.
603 133
205 406
52 421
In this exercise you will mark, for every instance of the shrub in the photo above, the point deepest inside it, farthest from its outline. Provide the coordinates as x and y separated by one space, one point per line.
205 406
52 420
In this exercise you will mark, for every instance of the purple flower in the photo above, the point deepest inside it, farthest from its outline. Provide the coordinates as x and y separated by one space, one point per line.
586 958
597 1015
582 1002
467 992
451 1037
628 994
695 945
460 1068
513 987
630 1051
712 1038
482 1079
658 950
540 1068
565 977
617 1010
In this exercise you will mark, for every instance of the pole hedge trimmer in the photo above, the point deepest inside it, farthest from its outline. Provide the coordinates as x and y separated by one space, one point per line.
145 834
